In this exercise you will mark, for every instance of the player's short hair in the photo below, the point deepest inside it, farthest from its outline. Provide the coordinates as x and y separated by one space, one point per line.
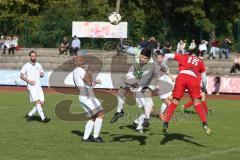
146 52
160 53
32 51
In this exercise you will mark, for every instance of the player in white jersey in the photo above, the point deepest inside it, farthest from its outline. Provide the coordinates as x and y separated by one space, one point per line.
31 73
166 80
137 80
94 110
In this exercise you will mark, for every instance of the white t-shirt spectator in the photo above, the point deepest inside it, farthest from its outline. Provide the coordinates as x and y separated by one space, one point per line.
203 46
14 42
76 43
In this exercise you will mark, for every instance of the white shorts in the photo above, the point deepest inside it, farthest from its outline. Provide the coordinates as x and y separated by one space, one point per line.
36 93
166 78
91 105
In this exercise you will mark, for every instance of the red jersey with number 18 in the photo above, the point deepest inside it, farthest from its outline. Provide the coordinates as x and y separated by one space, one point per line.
190 62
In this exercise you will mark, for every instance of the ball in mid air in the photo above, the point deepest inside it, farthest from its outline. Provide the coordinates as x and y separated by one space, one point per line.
114 18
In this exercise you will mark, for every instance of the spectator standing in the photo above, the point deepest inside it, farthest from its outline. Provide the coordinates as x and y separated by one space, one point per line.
13 45
236 65
202 48
181 47
214 49
75 46
217 84
64 47
151 44
226 49
167 47
6 44
158 48
143 43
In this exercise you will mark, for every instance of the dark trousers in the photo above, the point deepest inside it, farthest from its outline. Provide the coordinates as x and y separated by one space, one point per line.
11 50
73 51
234 68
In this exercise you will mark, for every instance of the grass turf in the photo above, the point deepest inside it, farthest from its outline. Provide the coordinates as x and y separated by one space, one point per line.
61 139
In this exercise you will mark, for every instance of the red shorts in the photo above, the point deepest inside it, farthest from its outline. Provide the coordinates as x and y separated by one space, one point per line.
191 83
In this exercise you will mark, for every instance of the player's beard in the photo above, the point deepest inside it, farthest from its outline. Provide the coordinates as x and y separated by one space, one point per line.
33 60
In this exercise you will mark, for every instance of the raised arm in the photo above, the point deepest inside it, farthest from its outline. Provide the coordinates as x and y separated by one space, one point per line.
168 56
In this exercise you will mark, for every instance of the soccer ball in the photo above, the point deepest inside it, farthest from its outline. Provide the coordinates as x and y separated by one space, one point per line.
114 18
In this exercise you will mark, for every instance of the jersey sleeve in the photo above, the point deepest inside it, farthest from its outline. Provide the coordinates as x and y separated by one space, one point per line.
41 69
177 57
81 72
23 69
202 68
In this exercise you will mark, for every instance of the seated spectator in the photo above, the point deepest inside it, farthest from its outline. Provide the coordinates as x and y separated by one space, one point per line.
13 45
192 45
64 46
181 47
214 49
202 48
75 46
226 48
6 44
142 43
167 48
236 66
2 40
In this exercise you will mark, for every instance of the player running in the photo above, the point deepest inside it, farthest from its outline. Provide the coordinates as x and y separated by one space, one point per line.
31 73
84 82
191 69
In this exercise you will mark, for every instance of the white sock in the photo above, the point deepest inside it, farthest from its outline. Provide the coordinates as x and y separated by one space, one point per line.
121 101
40 111
140 119
33 111
163 108
97 127
147 110
88 129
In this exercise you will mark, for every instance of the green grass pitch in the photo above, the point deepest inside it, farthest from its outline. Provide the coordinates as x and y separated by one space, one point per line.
60 139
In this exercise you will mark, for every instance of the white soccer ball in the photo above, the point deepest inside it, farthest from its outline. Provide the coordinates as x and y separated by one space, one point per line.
114 18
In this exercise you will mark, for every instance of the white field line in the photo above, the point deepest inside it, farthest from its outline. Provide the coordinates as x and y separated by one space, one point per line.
210 154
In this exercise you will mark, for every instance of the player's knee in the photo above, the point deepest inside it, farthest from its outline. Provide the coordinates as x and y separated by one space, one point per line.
38 102
100 114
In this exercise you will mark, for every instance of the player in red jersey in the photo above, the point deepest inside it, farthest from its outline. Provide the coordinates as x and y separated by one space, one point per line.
191 71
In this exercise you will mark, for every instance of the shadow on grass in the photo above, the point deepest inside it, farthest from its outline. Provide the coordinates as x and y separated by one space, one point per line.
179 137
189 112
132 127
78 133
128 137
35 118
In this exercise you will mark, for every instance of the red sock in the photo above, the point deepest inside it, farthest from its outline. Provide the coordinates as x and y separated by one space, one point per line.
170 109
201 113
189 104
204 104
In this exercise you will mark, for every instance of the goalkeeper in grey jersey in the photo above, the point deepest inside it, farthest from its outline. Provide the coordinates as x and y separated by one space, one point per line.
137 80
